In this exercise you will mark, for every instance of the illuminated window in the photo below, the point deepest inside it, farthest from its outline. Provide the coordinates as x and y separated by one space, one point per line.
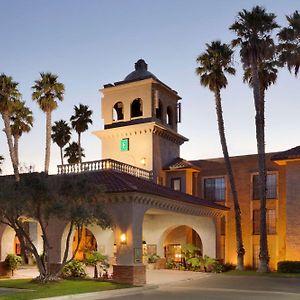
176 184
271 186
271 221
214 189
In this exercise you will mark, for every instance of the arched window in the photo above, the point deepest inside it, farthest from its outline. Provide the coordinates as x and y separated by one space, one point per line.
136 108
117 112
169 116
159 112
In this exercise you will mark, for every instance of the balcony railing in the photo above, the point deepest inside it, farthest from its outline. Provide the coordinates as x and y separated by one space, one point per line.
104 164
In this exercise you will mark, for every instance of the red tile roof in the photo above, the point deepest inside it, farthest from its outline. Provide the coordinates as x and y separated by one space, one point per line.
180 163
288 154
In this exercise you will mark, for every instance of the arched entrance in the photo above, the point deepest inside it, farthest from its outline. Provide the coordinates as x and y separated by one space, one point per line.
176 238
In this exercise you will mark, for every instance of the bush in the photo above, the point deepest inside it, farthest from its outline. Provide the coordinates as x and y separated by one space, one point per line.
74 268
288 267
153 258
12 262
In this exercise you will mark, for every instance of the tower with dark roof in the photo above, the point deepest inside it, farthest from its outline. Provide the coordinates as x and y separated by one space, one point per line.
140 116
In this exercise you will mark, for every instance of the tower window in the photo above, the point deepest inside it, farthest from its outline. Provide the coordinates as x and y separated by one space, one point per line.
117 113
136 108
158 111
169 118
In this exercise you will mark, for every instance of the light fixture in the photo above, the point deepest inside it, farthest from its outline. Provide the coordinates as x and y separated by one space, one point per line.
143 161
123 238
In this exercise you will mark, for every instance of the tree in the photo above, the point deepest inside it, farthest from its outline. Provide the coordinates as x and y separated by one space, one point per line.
214 63
73 153
1 162
75 199
61 135
80 122
253 29
289 46
46 91
9 96
21 121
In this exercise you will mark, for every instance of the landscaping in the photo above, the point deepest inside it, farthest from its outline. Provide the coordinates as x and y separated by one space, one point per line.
65 287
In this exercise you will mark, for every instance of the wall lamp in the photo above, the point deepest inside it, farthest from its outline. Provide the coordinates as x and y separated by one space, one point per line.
123 239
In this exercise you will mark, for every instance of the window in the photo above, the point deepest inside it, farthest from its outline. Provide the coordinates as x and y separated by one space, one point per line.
271 221
158 110
118 112
214 189
176 184
271 186
136 108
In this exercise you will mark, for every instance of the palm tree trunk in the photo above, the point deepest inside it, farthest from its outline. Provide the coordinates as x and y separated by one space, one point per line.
61 155
7 129
79 147
16 148
48 141
260 138
238 227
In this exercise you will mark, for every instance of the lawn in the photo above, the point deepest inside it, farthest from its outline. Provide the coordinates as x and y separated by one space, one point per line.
66 287
254 273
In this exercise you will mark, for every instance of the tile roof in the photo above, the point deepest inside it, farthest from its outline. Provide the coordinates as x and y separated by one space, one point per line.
115 181
180 163
288 154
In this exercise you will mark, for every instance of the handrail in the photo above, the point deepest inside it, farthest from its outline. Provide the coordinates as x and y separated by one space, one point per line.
104 164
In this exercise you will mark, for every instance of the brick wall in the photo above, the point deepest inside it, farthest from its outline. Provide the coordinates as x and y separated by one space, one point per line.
135 275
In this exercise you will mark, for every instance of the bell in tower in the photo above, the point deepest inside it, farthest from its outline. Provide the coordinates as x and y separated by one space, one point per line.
140 116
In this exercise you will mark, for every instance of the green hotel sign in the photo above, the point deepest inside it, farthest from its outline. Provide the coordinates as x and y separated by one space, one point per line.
124 145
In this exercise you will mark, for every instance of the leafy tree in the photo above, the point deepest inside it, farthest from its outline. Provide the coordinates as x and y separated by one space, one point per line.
21 121
214 63
94 258
289 46
61 135
12 262
1 162
9 96
46 91
254 36
73 153
75 199
80 122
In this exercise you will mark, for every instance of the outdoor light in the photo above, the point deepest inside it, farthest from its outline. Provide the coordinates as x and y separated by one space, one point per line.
123 238
143 161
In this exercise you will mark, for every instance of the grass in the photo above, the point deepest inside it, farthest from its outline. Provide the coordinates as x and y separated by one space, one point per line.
66 287
254 273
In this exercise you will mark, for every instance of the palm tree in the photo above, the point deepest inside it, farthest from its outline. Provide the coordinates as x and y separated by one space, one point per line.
253 29
61 135
1 162
214 63
21 122
80 122
46 91
73 153
290 43
9 96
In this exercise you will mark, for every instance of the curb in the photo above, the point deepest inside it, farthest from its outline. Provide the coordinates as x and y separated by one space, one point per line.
105 294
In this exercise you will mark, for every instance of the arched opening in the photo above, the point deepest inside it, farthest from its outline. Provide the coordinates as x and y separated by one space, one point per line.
169 116
118 111
87 244
159 111
178 237
136 108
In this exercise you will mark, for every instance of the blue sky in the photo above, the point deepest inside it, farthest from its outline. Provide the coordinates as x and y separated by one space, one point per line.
91 43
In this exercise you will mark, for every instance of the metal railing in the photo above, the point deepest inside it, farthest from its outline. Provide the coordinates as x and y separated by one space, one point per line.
104 164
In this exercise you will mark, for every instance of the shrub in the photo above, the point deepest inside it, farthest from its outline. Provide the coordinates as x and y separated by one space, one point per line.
288 267
12 262
74 268
170 264
153 258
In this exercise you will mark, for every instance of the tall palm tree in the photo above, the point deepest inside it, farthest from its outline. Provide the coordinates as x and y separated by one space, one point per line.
80 122
73 153
46 91
254 29
214 63
61 135
21 121
1 162
9 96
289 46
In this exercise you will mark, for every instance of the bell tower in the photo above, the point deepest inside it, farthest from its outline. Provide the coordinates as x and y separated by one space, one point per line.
140 116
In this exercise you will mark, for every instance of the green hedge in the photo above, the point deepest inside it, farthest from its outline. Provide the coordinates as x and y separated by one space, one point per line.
288 267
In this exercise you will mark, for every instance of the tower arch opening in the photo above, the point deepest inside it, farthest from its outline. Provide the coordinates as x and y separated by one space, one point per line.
118 111
136 109
170 116
159 111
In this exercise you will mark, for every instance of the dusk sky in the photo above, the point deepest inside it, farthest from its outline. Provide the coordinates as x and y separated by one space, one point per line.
91 43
